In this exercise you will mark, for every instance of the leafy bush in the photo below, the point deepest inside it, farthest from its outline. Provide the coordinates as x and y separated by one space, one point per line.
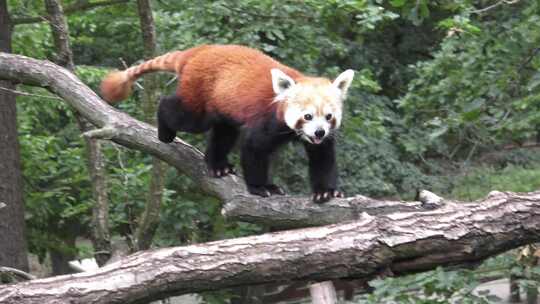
433 287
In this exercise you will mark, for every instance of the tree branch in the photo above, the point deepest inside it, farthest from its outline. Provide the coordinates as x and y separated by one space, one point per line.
78 6
297 212
399 243
17 273
130 132
490 7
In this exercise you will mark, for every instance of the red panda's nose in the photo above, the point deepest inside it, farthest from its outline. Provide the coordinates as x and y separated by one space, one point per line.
319 133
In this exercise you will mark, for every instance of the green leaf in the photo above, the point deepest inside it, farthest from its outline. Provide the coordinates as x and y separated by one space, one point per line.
438 132
398 3
534 81
476 104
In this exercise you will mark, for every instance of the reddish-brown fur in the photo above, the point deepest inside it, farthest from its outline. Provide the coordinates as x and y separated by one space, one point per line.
231 80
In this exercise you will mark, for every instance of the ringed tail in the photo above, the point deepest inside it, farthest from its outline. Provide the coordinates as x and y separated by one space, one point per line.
116 86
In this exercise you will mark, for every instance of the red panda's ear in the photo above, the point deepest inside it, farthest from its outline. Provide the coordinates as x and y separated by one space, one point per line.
343 81
280 81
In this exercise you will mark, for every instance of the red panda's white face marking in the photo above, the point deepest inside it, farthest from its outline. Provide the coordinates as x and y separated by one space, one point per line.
312 106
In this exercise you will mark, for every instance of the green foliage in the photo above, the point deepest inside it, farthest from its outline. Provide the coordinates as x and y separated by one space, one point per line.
481 87
480 181
57 189
433 287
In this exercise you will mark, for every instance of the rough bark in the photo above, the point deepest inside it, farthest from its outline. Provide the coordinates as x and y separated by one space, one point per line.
399 243
60 33
101 238
149 220
297 212
13 250
96 164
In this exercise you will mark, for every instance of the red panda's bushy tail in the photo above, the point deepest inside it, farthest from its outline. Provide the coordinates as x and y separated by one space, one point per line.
116 86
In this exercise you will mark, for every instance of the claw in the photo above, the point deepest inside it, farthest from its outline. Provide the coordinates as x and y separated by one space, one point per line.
318 198
221 171
324 196
275 189
338 194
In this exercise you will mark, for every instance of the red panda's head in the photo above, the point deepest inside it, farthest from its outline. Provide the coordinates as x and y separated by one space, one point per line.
311 106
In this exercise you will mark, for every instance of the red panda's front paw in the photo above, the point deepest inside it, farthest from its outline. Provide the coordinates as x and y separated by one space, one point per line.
324 196
223 171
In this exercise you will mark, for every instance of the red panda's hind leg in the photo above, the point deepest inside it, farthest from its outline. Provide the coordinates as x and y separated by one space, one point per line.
172 117
165 133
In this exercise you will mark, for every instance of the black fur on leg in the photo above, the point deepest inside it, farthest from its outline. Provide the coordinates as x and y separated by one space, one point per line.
222 139
255 165
169 108
323 170
173 117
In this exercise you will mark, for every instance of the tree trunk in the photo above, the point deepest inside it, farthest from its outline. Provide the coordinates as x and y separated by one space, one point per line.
60 33
101 238
13 248
96 164
150 218
400 243
515 295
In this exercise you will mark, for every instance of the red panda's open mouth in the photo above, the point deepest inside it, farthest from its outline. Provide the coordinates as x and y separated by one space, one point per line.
317 140
312 140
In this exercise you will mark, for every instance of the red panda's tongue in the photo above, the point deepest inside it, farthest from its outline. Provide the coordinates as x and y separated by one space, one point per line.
317 140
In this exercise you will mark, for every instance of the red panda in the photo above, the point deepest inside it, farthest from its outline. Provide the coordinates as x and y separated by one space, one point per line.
229 88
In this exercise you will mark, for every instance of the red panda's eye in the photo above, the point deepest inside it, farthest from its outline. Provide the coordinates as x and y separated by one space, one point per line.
308 117
328 116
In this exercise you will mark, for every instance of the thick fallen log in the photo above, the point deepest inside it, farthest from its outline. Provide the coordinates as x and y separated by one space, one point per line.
399 243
